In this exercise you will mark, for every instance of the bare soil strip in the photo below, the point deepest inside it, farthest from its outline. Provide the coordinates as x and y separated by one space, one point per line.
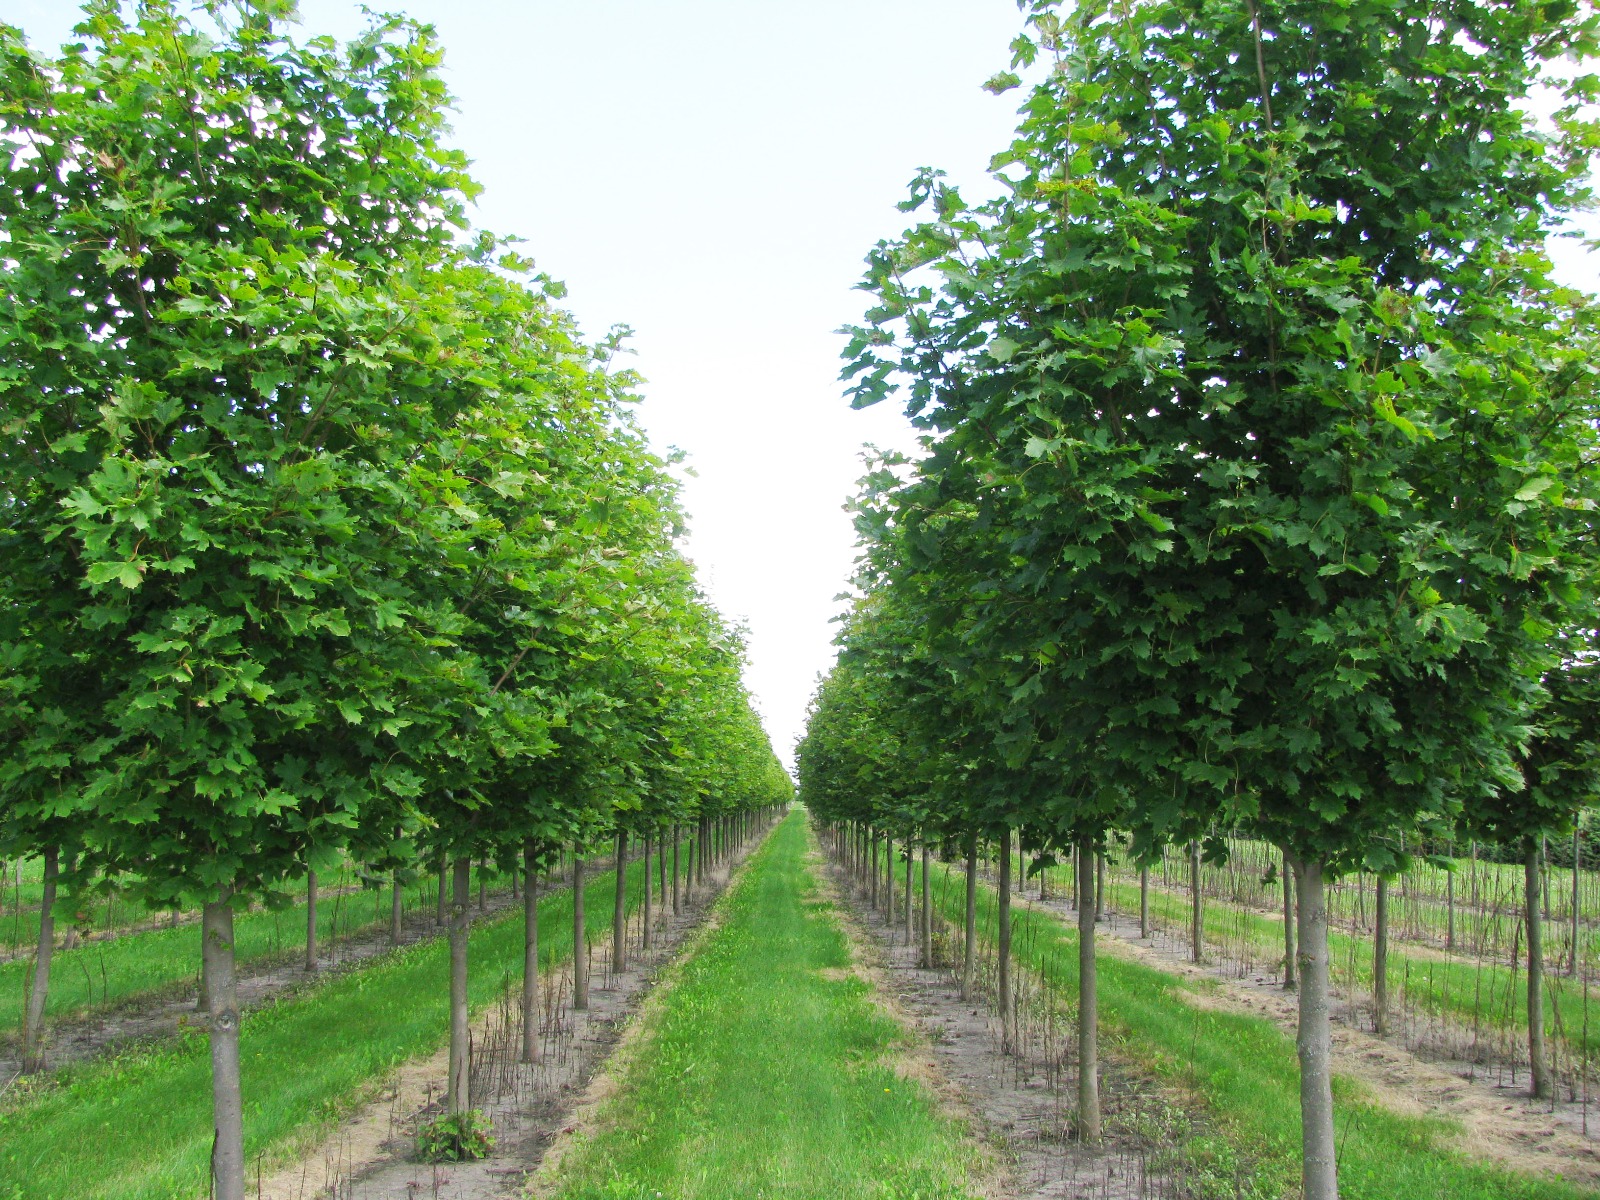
370 1156
1024 1101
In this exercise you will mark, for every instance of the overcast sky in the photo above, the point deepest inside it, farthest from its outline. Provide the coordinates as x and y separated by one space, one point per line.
711 173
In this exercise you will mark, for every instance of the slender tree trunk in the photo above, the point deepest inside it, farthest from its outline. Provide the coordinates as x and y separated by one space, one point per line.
1088 1004
227 1102
1100 887
677 840
872 869
970 934
397 912
1144 903
1319 1166
1450 909
1196 906
1540 1072
910 892
646 891
459 1098
661 869
39 989
1005 941
1577 855
1380 960
927 914
619 912
441 911
1288 924
311 921
580 940
530 954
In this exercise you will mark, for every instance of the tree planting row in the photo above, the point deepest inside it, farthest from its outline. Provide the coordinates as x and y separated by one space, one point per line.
324 534
1257 492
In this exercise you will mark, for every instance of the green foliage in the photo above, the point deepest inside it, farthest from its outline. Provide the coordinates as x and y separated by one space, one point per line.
455 1137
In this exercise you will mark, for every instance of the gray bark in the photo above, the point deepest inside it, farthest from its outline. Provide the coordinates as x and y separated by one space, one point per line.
1540 1071
39 987
910 892
1577 848
1288 924
1380 960
1088 1005
311 921
677 840
458 1099
619 912
927 914
1196 905
441 909
580 941
1005 942
530 954
227 1103
1319 1166
1144 903
397 912
970 933
647 891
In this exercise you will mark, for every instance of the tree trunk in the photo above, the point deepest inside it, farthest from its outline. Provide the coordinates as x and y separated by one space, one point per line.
397 912
311 921
1144 903
1088 1005
459 1099
1288 924
646 935
1450 909
1005 942
1196 907
530 954
1539 1088
1319 1166
970 934
872 869
927 914
910 892
1100 887
677 840
39 989
1380 960
441 911
1577 848
227 1102
888 881
580 940
661 869
619 912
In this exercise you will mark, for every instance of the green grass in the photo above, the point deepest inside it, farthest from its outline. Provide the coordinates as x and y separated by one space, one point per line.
1465 989
100 975
1245 1071
762 1076
139 1127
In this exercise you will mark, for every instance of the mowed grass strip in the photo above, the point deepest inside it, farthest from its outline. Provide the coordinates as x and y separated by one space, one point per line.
767 1071
139 1127
1245 1070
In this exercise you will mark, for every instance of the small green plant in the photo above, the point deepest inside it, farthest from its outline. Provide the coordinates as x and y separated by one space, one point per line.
455 1137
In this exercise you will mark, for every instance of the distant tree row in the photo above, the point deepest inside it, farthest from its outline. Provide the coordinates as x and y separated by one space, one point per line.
1258 488
323 533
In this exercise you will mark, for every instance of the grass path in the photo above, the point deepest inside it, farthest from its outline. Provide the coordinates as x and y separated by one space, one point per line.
138 1127
1245 1070
767 1070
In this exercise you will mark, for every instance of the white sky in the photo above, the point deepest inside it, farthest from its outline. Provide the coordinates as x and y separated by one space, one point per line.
711 173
